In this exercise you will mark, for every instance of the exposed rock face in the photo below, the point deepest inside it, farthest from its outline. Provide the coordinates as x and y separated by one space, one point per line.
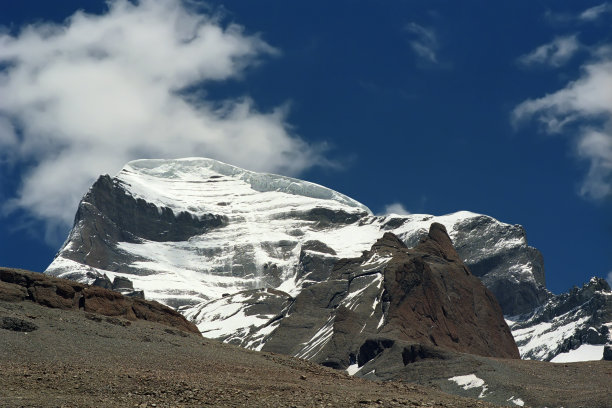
417 302
231 249
245 318
566 322
212 228
19 285
120 284
108 214
607 355
499 255
435 300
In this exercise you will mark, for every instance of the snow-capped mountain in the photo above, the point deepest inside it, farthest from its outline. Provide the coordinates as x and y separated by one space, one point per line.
573 326
232 249
190 230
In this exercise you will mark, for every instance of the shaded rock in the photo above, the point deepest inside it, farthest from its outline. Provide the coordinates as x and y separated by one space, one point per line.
607 353
111 214
317 246
15 324
122 283
372 348
135 294
498 254
103 282
417 352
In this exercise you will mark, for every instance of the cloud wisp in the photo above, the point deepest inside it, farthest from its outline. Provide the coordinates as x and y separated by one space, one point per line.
425 42
594 13
556 53
82 98
583 106
395 208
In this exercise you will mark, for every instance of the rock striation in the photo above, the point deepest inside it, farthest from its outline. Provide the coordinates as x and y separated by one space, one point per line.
580 318
209 228
232 250
19 285
415 303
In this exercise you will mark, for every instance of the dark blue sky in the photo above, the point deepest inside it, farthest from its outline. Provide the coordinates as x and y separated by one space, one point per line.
414 101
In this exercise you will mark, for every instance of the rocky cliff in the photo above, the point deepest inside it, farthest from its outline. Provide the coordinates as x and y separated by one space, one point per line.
418 301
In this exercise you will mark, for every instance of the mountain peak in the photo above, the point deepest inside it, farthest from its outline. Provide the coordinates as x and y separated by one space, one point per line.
191 230
437 242
194 171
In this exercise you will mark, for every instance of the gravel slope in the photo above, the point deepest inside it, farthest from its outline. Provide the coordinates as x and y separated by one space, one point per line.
77 359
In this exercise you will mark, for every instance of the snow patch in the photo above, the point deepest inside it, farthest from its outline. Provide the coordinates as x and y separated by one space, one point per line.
541 340
353 369
318 341
586 352
516 401
470 381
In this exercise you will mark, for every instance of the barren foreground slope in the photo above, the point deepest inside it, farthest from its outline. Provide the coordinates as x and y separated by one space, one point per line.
74 358
104 350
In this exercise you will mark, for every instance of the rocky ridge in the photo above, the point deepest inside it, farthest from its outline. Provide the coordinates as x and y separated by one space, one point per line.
18 285
580 319
231 249
397 298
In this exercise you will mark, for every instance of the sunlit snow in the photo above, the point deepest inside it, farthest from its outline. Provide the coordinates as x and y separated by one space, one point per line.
516 401
467 382
353 369
586 352
262 211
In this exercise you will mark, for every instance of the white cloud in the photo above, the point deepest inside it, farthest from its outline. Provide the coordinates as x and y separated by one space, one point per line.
395 208
555 53
7 133
594 13
597 147
609 278
87 96
585 103
425 45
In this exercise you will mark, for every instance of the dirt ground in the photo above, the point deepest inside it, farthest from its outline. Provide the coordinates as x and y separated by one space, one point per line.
76 359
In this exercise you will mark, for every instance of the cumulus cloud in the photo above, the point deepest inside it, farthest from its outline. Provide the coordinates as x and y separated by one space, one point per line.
582 110
609 278
425 43
82 98
555 53
594 13
395 208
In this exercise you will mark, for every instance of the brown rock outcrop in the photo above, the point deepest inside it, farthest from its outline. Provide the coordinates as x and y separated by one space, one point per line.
434 300
17 285
394 306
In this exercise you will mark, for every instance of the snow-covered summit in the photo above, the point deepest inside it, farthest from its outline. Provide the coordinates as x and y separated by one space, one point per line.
191 231
180 184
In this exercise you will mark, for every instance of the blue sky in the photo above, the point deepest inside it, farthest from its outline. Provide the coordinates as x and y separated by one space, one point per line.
430 107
